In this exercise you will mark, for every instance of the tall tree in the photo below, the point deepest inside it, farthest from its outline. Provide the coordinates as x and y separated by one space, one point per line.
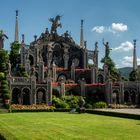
4 58
15 55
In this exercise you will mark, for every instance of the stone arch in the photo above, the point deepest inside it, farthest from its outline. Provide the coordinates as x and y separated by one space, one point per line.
133 96
41 95
56 92
26 93
16 92
62 75
115 96
31 58
100 78
126 96
58 55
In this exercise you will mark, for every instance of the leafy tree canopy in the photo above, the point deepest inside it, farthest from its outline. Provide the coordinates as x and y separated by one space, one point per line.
14 54
134 75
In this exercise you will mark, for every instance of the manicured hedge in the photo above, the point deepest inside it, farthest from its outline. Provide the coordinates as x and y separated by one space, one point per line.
31 110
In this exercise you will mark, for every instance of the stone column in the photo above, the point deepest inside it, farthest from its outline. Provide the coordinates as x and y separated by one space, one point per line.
54 72
73 71
41 72
121 97
108 92
95 55
49 90
84 58
93 75
36 59
49 59
33 90
27 66
83 91
62 88
66 57
106 72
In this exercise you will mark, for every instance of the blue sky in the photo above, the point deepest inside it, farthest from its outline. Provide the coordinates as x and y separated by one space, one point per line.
117 21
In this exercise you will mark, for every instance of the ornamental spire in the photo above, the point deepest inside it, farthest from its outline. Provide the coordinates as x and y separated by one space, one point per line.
134 57
16 27
82 35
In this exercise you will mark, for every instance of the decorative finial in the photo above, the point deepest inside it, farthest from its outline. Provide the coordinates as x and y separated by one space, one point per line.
134 42
35 37
22 38
82 22
85 44
16 13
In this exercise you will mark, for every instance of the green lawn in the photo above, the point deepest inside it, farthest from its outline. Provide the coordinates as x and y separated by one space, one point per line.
66 126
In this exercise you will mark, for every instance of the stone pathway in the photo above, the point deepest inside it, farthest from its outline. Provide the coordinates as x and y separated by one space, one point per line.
130 111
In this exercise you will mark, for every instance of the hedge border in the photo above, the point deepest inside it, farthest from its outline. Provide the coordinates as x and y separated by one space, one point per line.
113 114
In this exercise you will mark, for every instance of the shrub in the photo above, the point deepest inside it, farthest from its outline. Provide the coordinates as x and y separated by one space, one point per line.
2 75
88 106
5 91
4 86
59 103
4 82
73 101
100 104
6 96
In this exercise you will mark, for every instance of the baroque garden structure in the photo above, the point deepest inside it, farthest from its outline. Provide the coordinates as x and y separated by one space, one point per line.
56 64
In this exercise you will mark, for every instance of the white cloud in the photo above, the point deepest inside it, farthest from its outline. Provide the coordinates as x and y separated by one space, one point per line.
119 27
98 29
125 46
115 27
128 61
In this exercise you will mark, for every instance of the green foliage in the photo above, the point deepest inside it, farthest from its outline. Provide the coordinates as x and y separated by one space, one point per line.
66 102
100 104
134 75
5 89
14 54
59 103
73 101
111 67
4 82
88 105
22 71
110 63
4 58
7 96
2 75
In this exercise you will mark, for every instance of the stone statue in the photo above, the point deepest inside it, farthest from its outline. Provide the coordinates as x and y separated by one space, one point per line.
55 23
95 54
107 49
2 36
82 102
96 46
9 68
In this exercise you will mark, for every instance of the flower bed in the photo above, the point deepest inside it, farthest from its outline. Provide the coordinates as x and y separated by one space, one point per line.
31 108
